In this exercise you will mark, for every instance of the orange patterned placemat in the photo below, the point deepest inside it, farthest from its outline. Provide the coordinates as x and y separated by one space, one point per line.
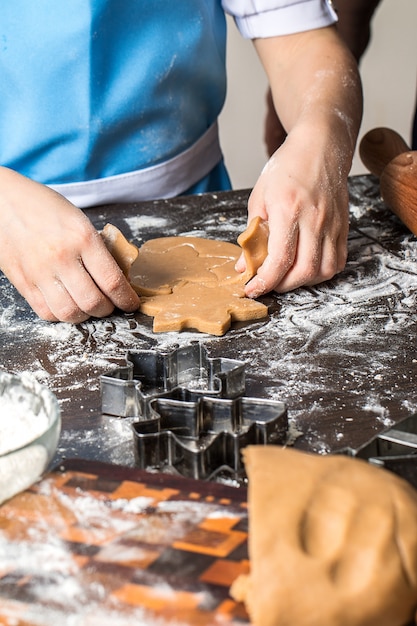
94 544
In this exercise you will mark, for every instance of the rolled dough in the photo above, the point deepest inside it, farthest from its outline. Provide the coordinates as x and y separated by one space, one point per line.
191 282
332 542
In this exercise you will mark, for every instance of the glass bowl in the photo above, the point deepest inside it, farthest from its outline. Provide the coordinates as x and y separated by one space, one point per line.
30 425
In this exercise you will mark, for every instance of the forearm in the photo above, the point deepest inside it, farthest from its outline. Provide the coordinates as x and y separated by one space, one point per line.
302 191
316 86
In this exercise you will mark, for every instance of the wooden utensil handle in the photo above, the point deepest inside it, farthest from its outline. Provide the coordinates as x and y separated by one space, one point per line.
378 147
399 188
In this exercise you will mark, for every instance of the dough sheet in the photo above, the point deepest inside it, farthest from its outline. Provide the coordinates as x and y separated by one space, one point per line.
191 282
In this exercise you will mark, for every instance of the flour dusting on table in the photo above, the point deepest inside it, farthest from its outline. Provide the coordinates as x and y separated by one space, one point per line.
60 587
312 352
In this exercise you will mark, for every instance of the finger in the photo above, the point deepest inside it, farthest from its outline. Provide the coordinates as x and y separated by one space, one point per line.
240 264
342 252
281 257
298 263
59 307
109 277
315 267
265 279
77 307
333 258
29 291
36 300
68 295
307 263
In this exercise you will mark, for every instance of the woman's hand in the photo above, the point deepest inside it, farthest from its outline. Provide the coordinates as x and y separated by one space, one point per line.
302 191
305 200
54 256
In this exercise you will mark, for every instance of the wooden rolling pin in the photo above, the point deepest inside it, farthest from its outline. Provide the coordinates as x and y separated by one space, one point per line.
385 153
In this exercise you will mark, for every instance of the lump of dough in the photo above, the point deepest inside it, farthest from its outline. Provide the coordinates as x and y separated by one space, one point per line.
332 542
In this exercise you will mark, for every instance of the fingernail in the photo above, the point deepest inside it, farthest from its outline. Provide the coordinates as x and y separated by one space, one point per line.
253 293
255 288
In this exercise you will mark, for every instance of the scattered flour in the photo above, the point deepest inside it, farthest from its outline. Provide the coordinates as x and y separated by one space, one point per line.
314 345
313 353
61 588
138 223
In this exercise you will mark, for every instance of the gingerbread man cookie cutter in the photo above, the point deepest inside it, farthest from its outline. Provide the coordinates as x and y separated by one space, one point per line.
189 412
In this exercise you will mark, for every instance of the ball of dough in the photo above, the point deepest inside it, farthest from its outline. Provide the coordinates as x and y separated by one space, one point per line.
332 542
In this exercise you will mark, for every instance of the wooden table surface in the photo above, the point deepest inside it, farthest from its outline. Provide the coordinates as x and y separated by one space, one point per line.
341 355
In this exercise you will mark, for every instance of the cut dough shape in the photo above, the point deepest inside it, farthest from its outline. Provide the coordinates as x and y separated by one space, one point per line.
209 309
191 282
332 541
124 253
168 261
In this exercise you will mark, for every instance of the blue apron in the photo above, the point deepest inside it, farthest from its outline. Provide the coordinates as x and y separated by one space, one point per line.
118 100
108 89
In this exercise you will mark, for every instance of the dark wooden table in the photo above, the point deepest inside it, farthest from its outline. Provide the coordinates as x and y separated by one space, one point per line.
342 355
108 543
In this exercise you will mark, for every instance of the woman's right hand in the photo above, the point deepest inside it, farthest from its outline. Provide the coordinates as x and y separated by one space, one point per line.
52 254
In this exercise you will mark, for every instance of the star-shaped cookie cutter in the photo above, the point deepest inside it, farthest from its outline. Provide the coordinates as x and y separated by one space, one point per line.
189 411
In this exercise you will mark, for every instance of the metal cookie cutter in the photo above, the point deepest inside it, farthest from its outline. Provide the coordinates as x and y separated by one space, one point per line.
128 390
394 449
191 413
204 438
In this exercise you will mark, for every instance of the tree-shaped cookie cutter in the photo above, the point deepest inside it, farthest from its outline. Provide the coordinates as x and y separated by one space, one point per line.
190 414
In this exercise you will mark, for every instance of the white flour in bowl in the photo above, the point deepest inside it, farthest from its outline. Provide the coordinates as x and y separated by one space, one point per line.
27 412
19 425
